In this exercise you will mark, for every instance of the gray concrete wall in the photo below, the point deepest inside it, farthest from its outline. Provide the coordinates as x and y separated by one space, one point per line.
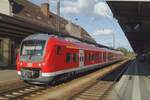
4 7
74 30
5 52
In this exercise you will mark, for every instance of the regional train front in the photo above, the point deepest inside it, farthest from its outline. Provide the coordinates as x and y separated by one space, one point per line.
31 60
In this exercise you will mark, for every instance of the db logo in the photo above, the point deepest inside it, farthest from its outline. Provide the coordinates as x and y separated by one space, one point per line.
29 64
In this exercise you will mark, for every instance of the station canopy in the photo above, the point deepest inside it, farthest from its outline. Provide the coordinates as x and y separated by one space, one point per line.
134 18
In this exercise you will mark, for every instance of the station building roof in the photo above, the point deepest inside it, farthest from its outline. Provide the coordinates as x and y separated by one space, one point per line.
134 18
28 19
29 15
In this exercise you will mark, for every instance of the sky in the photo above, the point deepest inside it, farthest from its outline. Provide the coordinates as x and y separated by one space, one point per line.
95 17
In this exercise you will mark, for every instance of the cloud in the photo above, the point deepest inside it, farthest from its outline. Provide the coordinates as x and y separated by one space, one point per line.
86 8
102 9
70 10
103 32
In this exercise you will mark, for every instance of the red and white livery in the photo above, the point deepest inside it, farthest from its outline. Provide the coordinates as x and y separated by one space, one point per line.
43 57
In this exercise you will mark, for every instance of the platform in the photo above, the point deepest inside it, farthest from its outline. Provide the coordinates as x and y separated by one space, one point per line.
7 76
134 84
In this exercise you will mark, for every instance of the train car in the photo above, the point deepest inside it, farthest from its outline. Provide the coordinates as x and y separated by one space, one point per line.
43 57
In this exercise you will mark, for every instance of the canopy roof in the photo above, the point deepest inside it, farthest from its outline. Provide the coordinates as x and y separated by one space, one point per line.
134 18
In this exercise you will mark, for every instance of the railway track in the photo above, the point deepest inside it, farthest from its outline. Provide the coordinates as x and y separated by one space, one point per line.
26 91
20 92
102 87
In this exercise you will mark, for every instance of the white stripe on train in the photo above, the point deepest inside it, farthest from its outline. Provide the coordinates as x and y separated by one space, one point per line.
73 69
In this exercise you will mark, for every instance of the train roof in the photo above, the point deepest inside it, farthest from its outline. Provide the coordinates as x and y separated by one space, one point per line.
72 41
38 37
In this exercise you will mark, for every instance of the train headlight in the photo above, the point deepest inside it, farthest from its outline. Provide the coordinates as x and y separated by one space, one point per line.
21 63
40 65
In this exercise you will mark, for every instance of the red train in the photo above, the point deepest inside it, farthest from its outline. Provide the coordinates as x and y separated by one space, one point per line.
43 57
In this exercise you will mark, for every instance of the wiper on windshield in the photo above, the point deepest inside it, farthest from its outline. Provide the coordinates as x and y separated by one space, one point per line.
33 54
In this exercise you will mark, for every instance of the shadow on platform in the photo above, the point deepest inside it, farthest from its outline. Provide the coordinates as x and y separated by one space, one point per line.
8 67
135 68
139 69
113 76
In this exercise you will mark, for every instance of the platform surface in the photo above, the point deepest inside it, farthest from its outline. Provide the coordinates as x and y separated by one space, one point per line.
134 84
8 76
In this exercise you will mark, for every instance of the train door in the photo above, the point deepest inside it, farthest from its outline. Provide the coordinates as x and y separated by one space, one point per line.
81 58
102 58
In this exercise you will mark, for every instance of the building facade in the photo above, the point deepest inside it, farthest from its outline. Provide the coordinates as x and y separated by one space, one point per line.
26 11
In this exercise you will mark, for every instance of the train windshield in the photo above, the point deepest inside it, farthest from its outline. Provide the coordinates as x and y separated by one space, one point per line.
32 48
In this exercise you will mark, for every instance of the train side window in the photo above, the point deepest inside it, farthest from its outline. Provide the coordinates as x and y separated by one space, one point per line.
104 57
68 57
89 57
58 51
85 57
92 57
96 57
100 57
75 57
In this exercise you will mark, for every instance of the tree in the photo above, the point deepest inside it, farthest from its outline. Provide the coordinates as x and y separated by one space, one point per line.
124 50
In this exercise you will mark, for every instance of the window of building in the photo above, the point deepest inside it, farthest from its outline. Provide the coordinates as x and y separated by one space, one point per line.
68 57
